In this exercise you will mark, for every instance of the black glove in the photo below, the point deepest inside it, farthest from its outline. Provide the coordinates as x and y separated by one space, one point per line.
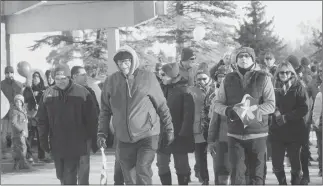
279 118
101 141
231 114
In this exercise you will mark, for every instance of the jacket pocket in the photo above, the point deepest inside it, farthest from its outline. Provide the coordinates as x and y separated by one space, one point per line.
140 124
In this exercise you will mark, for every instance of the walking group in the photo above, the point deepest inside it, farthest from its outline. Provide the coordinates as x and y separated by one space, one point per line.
241 111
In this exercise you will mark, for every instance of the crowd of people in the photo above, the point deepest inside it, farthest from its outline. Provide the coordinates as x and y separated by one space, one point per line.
181 108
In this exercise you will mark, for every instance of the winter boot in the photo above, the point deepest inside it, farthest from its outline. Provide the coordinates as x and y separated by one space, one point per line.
295 178
223 180
166 179
205 182
16 166
281 177
182 179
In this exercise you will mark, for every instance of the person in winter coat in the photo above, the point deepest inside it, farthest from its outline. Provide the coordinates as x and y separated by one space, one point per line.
187 67
135 99
317 120
19 123
32 95
79 76
181 105
203 99
217 137
226 62
306 63
246 140
10 88
67 119
288 125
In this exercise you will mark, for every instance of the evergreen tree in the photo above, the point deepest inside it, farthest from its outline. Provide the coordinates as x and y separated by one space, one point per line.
317 42
257 33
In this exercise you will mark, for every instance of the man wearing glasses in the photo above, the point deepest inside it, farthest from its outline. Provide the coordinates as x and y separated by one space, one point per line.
135 99
67 119
79 76
187 67
246 140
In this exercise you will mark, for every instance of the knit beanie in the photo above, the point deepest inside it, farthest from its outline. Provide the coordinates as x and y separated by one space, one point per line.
19 97
203 69
293 61
305 61
171 69
248 50
8 69
62 70
122 56
187 53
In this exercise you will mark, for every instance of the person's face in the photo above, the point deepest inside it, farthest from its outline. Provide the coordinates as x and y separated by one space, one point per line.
244 60
190 62
50 79
61 81
269 60
220 78
124 66
202 79
81 77
227 60
320 71
284 74
36 79
165 79
9 75
18 103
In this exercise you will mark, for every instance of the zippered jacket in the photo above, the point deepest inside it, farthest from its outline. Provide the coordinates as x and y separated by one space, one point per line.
136 102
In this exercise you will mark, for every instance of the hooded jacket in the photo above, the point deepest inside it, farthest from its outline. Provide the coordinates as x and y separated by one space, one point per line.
19 121
69 118
136 102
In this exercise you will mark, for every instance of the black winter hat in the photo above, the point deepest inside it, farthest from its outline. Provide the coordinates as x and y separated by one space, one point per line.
293 60
62 70
122 56
305 61
187 53
8 69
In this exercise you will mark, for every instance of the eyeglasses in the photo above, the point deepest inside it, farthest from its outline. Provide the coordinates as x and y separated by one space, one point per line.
201 79
268 58
192 58
125 61
220 76
285 72
243 55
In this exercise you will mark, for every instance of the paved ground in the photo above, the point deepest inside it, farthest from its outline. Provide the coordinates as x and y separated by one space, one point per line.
45 173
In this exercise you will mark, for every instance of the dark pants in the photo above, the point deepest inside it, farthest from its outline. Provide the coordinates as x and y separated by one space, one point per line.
221 163
118 176
201 153
136 160
83 171
254 150
197 165
181 163
278 155
66 170
305 154
319 140
32 133
248 181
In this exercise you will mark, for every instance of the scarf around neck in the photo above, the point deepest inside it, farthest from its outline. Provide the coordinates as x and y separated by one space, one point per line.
285 86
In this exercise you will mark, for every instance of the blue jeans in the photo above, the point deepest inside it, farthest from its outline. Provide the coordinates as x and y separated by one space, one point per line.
136 160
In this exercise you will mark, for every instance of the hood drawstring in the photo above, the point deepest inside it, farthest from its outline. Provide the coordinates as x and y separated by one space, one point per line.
62 94
129 91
